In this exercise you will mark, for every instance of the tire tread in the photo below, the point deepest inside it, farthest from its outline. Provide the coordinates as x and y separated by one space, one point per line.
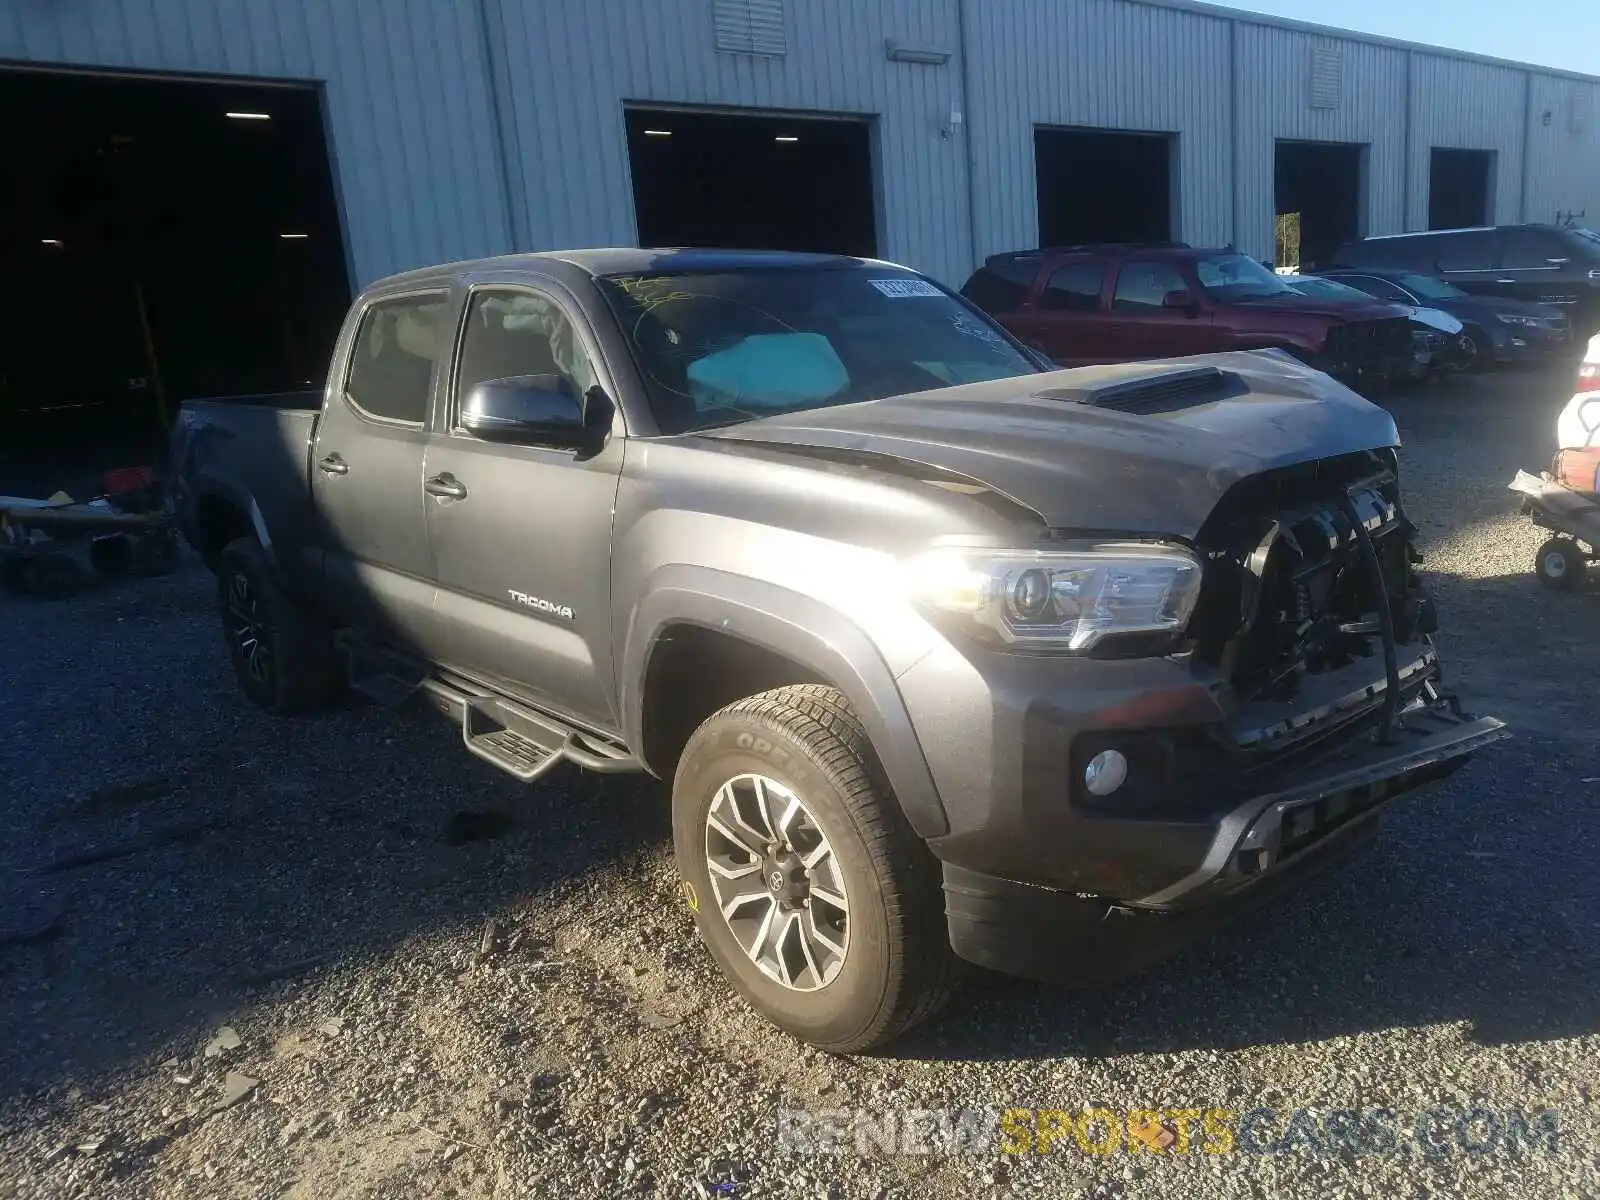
924 971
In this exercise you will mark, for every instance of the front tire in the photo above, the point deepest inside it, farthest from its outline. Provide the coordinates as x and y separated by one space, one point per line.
1480 350
814 895
1560 565
281 651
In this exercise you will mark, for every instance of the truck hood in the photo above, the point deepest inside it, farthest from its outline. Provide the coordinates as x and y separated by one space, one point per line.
1054 443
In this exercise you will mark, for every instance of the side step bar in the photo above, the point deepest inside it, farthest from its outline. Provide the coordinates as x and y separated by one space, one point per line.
382 677
521 742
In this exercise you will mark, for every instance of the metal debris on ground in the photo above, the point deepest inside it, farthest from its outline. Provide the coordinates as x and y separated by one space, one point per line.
235 1088
224 1039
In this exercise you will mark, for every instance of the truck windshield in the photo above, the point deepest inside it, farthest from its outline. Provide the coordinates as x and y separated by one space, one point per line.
718 348
1234 277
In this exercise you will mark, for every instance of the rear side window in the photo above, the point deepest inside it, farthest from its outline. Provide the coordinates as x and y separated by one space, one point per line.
1001 287
391 364
1074 288
1143 286
1476 251
1409 252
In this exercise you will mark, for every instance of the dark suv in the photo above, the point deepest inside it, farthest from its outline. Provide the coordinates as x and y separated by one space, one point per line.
1547 264
1120 303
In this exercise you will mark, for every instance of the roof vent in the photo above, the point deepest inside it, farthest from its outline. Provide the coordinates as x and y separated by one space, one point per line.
750 26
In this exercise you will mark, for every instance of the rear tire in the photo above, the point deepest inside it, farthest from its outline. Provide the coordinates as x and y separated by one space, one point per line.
281 650
869 955
1560 565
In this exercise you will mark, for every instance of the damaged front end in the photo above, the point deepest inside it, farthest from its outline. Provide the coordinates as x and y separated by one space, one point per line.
1312 571
1314 616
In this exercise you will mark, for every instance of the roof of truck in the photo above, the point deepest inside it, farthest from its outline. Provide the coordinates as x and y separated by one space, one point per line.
628 260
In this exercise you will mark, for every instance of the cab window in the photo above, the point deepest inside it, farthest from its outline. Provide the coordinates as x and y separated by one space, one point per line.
391 364
519 333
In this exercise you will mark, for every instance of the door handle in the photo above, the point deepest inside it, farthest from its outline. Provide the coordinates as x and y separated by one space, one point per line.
333 464
445 485
1505 280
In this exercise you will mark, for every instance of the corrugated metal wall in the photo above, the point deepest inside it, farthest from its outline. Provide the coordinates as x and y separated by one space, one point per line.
1563 153
407 99
1097 63
576 61
1467 106
464 127
1274 78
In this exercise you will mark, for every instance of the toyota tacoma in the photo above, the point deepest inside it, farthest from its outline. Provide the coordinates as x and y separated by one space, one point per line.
949 656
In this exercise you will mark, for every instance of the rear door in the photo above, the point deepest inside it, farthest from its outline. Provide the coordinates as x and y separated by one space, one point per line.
522 553
366 468
1471 260
1147 319
1069 313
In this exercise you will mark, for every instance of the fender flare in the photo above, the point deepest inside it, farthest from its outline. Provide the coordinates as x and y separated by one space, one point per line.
798 628
209 487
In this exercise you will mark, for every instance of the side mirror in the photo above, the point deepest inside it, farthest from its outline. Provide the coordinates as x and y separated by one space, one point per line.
1182 301
541 410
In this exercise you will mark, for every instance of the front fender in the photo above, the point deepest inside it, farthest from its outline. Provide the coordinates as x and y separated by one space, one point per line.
801 629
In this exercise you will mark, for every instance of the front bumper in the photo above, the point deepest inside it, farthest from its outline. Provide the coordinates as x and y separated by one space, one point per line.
1521 344
1031 865
1259 851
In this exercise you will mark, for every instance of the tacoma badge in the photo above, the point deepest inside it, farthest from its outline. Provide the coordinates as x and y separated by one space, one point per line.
555 610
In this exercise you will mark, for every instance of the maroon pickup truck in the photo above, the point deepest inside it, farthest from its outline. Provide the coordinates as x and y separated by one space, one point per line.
1118 303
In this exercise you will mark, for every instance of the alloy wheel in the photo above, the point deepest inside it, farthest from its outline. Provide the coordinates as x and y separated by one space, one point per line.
777 882
247 628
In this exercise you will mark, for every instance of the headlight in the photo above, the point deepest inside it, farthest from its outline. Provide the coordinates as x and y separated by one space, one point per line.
1512 319
1069 599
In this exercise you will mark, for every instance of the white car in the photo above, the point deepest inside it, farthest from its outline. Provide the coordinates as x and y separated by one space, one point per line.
1578 427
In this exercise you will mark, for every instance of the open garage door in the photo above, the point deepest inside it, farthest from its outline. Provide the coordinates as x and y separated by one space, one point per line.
748 181
161 239
1321 194
1459 186
1097 185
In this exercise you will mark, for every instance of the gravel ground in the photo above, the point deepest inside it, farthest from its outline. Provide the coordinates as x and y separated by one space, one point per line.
335 956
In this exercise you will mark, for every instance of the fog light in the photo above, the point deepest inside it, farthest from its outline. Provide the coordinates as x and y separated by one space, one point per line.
1106 772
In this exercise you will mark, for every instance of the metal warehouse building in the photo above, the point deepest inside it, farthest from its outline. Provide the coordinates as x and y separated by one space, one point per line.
246 162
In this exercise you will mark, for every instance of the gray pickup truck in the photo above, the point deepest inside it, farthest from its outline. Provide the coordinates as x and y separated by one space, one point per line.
948 655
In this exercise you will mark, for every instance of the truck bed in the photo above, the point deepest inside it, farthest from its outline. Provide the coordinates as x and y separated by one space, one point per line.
255 449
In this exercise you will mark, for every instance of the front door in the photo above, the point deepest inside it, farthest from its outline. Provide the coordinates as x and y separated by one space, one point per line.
1069 319
1547 267
366 470
1155 314
522 551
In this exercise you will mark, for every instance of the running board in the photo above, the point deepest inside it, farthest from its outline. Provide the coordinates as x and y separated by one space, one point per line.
381 676
523 743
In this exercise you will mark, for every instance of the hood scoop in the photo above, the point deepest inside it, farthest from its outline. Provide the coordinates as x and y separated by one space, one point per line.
1169 391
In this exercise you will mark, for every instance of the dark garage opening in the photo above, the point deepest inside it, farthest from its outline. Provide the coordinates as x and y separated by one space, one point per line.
1103 186
737 180
1319 188
155 249
1458 188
